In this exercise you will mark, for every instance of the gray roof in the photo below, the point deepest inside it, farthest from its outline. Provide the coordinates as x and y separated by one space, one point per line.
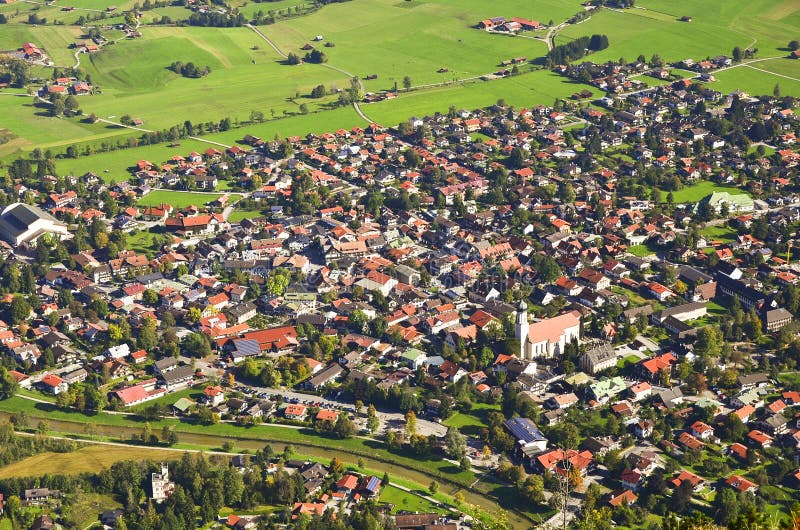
16 219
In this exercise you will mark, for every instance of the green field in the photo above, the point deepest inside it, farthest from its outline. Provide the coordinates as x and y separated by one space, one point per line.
403 500
653 27
114 165
640 250
180 199
723 233
761 81
90 459
697 192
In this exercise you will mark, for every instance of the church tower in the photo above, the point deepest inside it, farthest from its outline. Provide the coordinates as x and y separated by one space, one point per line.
521 328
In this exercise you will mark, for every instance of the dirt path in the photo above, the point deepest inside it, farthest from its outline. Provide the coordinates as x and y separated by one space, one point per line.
280 52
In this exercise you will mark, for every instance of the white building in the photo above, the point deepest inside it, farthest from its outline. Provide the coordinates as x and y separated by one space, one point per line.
22 223
161 485
548 337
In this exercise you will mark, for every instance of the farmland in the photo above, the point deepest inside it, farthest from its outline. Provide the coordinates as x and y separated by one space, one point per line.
88 459
381 38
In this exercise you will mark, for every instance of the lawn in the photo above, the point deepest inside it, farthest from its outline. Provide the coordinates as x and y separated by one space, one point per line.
469 422
403 500
697 192
88 459
640 250
180 199
723 233
238 215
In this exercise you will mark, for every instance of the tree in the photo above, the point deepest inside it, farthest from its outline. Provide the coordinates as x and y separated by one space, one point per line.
20 309
737 54
411 423
197 345
8 385
794 45
293 58
709 341
532 489
407 83
433 487
344 427
373 423
455 443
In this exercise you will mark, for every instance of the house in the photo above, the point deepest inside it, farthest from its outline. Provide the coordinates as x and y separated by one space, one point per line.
598 358
36 496
696 481
526 433
605 389
295 412
54 384
702 430
623 498
160 486
741 484
328 375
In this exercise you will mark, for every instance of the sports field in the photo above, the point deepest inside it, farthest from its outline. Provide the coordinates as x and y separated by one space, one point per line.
180 199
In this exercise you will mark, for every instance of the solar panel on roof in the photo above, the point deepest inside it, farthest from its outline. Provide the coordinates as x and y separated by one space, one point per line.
247 346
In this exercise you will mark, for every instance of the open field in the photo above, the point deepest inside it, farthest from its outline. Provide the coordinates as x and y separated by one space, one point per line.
179 199
653 27
761 81
245 75
697 192
88 459
396 39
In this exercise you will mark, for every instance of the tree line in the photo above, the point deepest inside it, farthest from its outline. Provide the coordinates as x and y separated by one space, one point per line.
576 49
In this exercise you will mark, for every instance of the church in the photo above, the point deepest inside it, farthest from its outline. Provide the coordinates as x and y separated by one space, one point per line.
545 338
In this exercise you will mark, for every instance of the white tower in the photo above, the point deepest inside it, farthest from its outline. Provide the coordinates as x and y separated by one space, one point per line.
521 328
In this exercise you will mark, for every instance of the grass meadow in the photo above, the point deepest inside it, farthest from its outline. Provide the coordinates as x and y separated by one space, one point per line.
89 459
388 38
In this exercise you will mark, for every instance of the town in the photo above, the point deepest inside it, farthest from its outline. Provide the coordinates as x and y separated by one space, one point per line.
368 264
601 311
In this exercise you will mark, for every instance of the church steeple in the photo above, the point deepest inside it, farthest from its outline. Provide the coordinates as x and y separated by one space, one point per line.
521 328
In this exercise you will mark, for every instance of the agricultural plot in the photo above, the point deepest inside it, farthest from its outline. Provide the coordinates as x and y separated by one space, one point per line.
416 39
761 78
654 27
85 460
245 75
